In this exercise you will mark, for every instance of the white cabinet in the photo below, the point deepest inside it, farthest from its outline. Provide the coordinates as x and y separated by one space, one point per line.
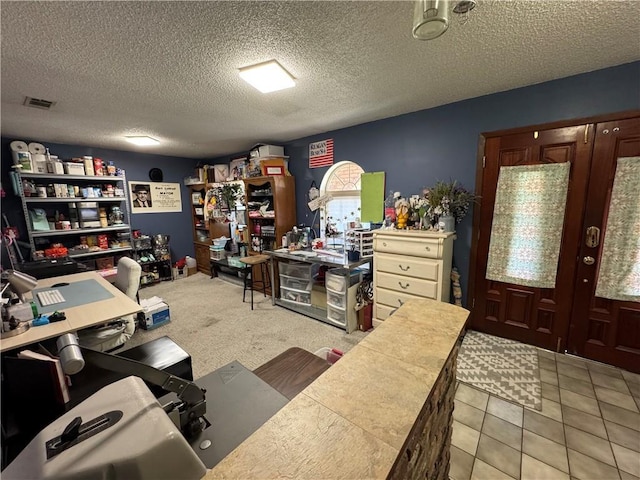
410 264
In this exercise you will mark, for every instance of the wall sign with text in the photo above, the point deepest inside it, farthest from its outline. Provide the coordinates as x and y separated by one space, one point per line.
154 197
321 153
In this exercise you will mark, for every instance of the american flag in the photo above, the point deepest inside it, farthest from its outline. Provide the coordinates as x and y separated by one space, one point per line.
321 153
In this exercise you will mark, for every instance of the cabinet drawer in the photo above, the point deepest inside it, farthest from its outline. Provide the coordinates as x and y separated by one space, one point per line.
415 247
393 299
293 283
298 270
402 284
336 300
337 317
408 266
382 312
295 296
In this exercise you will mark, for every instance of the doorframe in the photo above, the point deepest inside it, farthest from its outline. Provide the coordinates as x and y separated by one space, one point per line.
475 234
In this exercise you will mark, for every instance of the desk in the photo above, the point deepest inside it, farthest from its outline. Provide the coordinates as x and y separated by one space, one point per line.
78 317
232 263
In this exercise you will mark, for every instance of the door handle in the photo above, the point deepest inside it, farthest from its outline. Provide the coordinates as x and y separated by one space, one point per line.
592 237
588 260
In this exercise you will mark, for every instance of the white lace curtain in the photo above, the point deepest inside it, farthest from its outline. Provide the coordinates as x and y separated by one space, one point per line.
528 217
619 273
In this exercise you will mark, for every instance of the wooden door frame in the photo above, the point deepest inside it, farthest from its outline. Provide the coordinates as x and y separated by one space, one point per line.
469 298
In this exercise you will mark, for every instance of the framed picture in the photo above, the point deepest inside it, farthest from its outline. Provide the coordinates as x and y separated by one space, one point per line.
196 197
270 171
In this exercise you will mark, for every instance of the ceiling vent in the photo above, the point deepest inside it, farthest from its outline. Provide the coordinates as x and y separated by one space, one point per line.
38 103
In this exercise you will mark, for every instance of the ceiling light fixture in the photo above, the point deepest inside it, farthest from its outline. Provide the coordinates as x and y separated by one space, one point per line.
267 76
142 141
430 19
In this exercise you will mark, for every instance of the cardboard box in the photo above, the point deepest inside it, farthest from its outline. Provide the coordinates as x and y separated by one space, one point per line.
270 151
191 271
71 168
155 316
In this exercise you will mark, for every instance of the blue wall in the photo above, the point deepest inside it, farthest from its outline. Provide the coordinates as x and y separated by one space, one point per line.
415 150
136 166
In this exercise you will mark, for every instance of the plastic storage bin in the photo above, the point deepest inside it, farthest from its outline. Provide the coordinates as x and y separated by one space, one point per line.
299 297
337 300
336 279
336 316
331 355
288 282
299 270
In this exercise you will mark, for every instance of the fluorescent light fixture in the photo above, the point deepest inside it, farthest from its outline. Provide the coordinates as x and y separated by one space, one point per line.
267 77
142 141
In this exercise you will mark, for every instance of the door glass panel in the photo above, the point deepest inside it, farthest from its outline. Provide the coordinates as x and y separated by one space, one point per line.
526 231
619 273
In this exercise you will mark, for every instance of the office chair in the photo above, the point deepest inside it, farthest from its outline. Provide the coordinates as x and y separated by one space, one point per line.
114 334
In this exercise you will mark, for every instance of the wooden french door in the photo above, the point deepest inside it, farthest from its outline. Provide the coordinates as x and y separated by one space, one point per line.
569 316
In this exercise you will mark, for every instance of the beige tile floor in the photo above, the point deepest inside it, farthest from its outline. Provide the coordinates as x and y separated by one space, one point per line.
588 428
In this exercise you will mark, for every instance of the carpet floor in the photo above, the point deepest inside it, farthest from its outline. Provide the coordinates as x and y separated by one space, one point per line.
210 322
505 368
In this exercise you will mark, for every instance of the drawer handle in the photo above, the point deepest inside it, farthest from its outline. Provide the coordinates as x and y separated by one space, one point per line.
384 244
404 287
427 249
403 268
400 302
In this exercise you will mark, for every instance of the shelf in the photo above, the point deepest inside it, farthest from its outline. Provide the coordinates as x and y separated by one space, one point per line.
155 262
82 231
92 178
72 199
100 252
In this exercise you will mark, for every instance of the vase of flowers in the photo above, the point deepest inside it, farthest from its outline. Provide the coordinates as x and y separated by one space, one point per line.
445 204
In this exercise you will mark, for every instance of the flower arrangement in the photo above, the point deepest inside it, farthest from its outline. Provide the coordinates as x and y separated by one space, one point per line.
446 199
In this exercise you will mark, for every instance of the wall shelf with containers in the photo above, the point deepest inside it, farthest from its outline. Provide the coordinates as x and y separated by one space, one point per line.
154 256
201 235
79 216
271 211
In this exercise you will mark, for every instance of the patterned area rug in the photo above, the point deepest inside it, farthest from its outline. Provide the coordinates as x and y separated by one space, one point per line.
505 368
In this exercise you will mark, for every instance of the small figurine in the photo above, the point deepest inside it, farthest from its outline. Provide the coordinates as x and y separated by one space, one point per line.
402 213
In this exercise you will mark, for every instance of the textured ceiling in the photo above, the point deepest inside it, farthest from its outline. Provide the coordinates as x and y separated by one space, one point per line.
169 69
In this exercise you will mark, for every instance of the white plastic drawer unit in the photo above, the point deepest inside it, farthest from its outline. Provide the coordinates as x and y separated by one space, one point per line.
295 283
292 269
336 279
415 247
336 316
336 299
408 266
411 285
299 297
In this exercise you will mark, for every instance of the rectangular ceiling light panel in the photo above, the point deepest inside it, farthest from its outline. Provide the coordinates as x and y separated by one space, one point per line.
142 141
267 77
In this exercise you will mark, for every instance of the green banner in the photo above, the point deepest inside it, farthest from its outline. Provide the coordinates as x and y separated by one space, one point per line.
372 197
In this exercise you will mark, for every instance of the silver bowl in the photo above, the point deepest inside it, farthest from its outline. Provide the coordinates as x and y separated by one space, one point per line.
161 239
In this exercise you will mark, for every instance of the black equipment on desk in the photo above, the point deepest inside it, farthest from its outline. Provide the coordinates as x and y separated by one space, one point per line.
50 267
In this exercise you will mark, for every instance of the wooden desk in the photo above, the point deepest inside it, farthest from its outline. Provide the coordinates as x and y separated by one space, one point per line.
79 317
292 371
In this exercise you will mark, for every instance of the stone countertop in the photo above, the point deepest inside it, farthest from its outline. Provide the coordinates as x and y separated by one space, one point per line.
352 421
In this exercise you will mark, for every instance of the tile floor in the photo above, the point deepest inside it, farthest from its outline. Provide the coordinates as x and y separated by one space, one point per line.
589 427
